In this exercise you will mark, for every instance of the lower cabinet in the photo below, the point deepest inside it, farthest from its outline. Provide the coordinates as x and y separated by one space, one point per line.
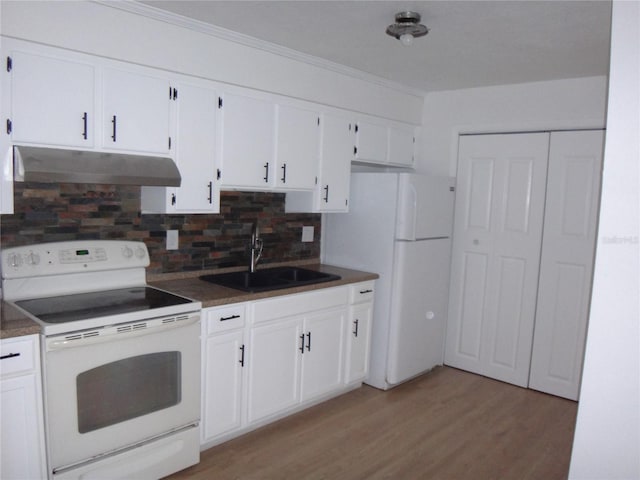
291 352
358 344
21 413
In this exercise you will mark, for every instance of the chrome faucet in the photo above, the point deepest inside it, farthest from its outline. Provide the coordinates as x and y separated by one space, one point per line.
256 247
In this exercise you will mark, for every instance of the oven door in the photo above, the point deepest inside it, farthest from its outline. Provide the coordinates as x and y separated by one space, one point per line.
114 387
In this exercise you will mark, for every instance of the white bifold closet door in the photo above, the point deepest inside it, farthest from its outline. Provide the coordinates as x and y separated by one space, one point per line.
566 266
522 257
496 254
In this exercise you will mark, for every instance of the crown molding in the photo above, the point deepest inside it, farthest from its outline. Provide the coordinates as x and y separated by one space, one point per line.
132 6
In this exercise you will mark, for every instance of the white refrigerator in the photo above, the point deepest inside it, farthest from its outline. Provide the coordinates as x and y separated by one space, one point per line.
398 226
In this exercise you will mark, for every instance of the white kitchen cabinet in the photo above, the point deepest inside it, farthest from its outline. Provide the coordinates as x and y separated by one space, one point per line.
246 141
274 368
372 141
223 359
297 148
52 100
265 359
322 360
388 143
332 190
358 335
296 358
194 147
135 113
22 424
401 146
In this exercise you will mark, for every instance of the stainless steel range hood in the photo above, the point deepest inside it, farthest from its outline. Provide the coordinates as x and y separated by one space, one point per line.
51 165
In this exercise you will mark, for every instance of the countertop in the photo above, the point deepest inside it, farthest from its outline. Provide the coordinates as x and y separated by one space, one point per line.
13 323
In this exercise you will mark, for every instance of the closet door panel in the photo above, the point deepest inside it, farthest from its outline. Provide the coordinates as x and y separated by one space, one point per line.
566 268
498 215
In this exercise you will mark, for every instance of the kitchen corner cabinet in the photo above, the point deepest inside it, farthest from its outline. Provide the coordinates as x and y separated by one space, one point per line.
331 193
297 147
358 344
194 148
247 141
23 446
52 100
135 111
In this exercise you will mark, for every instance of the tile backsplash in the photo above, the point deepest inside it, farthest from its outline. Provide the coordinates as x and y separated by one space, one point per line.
58 212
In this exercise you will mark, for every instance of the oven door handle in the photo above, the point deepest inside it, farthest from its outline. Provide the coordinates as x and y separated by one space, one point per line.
117 332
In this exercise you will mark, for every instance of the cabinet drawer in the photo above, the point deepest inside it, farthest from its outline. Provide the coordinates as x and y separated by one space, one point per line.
18 356
225 318
361 292
298 304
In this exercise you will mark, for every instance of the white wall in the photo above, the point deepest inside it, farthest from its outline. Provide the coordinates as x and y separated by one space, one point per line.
559 104
103 29
607 438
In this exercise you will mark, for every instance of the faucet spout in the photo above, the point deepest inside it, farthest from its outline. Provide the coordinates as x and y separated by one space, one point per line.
256 248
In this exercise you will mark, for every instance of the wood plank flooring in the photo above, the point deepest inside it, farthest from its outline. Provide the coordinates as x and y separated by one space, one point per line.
447 424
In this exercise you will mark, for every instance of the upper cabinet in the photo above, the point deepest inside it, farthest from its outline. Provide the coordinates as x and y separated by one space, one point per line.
372 142
194 146
297 147
387 143
52 101
331 193
220 136
247 139
135 113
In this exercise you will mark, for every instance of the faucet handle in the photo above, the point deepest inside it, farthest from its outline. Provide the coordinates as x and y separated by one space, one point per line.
258 245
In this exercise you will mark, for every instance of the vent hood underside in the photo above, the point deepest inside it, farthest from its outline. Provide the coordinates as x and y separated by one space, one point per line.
50 165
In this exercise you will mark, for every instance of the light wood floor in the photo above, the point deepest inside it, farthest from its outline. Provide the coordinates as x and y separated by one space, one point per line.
447 424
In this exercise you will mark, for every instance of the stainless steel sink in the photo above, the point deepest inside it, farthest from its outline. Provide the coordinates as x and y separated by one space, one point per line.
270 279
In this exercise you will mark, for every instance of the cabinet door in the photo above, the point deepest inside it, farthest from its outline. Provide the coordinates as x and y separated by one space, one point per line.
338 138
135 112
297 148
322 362
274 368
222 384
371 142
22 453
52 101
247 145
401 145
195 149
358 342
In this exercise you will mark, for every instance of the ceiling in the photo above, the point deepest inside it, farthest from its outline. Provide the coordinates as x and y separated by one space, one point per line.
470 43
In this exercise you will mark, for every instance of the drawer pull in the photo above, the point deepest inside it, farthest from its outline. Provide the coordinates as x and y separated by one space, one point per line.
9 355
232 317
362 292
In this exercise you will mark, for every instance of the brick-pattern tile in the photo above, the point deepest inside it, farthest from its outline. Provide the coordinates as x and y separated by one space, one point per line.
57 212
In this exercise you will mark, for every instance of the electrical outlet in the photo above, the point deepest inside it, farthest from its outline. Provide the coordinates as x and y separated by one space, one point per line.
307 234
172 239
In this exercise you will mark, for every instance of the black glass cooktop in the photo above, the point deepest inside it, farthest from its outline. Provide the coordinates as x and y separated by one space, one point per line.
82 306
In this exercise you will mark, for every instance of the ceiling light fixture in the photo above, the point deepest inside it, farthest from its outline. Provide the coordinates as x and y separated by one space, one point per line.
407 27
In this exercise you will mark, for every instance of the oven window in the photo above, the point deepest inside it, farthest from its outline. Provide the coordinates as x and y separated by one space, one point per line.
127 389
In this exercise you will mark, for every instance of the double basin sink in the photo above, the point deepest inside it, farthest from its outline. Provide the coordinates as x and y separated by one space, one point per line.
270 279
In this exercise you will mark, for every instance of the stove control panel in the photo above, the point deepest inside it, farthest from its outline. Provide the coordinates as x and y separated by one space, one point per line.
74 256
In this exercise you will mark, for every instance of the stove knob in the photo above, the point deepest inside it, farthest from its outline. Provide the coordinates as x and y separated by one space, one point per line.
140 252
15 260
33 258
127 252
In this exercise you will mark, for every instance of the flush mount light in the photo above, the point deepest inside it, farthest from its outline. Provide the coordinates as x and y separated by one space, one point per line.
407 27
